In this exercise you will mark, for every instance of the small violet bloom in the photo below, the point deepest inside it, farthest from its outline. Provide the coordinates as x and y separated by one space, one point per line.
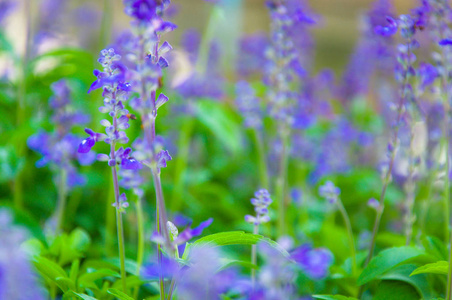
261 202
388 30
330 192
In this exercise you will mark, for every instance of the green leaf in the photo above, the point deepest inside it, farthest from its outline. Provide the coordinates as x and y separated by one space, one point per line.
386 260
222 122
84 296
333 297
79 240
236 238
227 263
118 294
395 290
440 267
53 272
88 279
402 273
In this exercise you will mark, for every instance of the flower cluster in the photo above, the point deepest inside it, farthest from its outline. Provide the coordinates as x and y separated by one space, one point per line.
115 91
59 148
249 105
261 202
330 192
314 262
285 64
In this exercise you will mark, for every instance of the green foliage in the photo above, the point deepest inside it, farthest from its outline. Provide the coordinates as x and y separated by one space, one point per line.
333 297
395 290
440 267
387 260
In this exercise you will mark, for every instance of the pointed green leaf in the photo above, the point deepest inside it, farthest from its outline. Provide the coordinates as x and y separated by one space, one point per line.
333 297
386 260
236 238
84 296
118 294
395 290
440 267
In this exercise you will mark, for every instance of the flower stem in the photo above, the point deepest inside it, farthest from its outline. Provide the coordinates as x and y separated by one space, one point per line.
119 224
254 258
409 187
62 193
262 161
281 185
351 240
140 242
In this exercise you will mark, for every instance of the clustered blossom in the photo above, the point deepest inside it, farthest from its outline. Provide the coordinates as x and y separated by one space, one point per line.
249 105
330 192
59 148
146 57
115 92
17 279
284 67
261 202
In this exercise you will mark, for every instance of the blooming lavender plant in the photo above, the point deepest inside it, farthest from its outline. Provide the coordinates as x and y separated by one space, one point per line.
283 69
115 92
59 148
404 72
147 60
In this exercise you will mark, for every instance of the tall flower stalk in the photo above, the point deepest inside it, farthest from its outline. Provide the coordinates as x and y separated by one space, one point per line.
404 72
59 149
261 202
115 92
147 58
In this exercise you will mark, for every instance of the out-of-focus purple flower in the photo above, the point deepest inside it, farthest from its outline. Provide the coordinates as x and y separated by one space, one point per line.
314 262
445 42
261 202
202 279
388 30
330 192
373 203
143 10
249 105
169 268
59 148
6 8
276 277
17 279
251 59
427 73
296 195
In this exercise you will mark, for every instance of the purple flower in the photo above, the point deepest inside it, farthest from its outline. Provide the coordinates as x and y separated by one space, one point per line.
388 30
373 203
249 105
427 73
89 142
330 192
261 202
314 262
445 42
162 157
122 204
142 10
